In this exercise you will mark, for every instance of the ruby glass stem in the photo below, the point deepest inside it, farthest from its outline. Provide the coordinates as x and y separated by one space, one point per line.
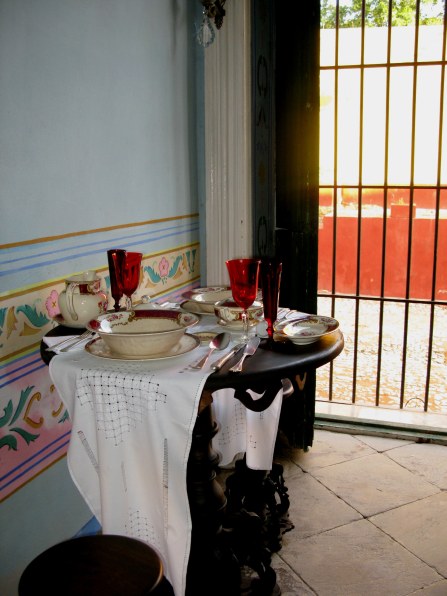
130 275
244 275
115 257
270 276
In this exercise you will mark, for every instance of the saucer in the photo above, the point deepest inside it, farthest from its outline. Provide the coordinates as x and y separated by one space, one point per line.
204 301
188 343
61 321
306 329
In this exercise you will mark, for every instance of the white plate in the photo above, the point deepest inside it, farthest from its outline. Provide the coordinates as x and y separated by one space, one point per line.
306 330
237 325
205 336
203 302
209 289
59 319
187 344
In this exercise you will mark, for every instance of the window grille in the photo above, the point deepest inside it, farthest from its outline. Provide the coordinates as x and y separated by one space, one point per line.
382 268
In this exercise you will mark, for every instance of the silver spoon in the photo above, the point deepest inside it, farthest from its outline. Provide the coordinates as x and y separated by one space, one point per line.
220 342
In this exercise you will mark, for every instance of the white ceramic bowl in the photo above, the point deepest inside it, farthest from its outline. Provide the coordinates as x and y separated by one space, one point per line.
204 301
230 314
306 329
144 332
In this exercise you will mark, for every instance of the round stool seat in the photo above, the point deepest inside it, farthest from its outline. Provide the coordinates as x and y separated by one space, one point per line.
96 565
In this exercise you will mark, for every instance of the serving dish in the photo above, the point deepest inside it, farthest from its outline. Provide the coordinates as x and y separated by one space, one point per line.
97 347
306 329
205 336
209 289
229 314
204 301
142 333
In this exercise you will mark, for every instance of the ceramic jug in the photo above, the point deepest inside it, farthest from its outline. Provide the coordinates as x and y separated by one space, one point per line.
82 300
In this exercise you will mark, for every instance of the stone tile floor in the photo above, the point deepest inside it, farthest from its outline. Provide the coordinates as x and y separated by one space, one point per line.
370 516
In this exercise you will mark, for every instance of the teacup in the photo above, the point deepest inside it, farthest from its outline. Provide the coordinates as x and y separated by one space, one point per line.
230 314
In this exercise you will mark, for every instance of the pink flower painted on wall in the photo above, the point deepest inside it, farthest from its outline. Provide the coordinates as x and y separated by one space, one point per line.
163 267
52 304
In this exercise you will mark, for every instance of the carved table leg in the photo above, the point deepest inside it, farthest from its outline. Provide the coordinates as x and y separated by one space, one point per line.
212 568
240 534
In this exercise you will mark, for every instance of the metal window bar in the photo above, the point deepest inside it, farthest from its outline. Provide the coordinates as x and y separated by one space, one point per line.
407 301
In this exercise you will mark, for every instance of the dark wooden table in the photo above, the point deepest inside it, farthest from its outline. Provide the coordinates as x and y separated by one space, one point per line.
240 525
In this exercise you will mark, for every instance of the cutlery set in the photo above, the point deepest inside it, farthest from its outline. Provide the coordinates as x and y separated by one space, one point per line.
66 344
220 342
250 348
219 363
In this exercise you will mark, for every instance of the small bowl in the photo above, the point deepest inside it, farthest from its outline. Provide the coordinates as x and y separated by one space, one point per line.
305 329
230 314
204 302
143 332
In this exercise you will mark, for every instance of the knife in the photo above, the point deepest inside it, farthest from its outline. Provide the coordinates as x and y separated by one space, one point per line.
69 341
249 350
219 363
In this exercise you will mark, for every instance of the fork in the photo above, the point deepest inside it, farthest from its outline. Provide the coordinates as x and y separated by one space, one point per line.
71 341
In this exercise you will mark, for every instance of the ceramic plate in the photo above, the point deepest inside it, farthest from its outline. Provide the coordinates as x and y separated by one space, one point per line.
307 329
187 344
205 336
203 302
209 289
59 319
229 314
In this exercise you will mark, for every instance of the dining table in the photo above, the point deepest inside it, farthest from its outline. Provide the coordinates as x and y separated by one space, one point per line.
152 439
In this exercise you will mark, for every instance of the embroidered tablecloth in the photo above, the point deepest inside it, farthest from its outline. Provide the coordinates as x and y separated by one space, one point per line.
131 437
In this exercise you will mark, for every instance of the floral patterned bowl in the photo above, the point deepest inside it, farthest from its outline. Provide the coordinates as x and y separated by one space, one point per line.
143 332
230 314
202 300
305 329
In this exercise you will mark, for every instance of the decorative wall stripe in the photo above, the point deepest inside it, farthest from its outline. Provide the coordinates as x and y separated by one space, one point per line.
34 425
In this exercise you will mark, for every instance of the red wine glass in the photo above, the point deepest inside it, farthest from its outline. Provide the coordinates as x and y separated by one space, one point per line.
130 275
270 274
115 257
244 275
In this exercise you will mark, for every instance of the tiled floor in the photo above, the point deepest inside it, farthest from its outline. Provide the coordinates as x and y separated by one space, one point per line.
370 516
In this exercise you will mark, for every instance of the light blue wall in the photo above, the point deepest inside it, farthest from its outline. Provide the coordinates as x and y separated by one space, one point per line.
97 114
100 104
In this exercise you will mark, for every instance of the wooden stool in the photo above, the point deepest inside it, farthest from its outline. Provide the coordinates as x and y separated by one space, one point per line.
94 566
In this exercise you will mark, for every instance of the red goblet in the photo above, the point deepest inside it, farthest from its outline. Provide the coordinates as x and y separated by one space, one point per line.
244 275
130 275
115 257
271 269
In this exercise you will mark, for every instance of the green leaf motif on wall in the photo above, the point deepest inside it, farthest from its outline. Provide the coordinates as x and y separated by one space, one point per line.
3 312
161 271
10 442
153 276
28 437
173 270
191 259
65 416
10 416
35 318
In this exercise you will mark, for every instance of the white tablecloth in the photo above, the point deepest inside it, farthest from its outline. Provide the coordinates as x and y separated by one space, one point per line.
131 437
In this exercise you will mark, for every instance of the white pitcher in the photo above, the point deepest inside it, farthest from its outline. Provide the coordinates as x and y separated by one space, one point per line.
82 300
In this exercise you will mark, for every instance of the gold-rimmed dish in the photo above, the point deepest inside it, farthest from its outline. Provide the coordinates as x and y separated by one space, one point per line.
229 314
204 301
306 329
188 342
142 333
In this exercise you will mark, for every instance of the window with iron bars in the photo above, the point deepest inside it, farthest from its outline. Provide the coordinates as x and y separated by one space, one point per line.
382 264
